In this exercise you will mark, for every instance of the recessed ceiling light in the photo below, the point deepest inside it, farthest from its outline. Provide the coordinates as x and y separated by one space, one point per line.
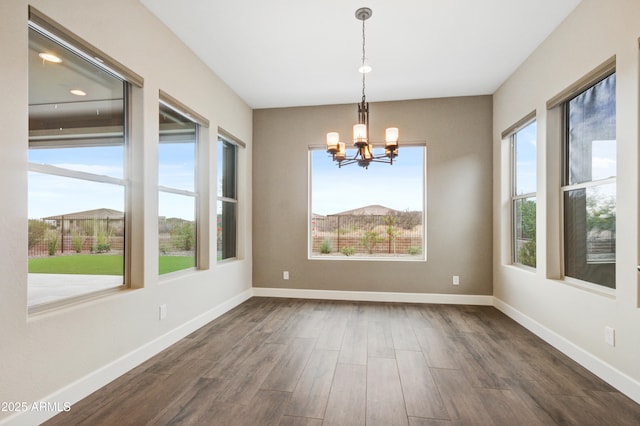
78 92
50 57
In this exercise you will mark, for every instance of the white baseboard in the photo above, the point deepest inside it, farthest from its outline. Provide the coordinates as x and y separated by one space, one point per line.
616 378
372 296
83 387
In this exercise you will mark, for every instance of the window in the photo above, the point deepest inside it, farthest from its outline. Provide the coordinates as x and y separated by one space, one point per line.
375 213
523 195
77 171
589 190
227 210
177 197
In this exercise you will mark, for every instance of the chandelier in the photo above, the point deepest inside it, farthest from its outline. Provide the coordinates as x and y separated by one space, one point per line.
364 149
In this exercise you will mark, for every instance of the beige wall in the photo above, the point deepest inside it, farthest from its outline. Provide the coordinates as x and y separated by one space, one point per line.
573 316
457 132
88 343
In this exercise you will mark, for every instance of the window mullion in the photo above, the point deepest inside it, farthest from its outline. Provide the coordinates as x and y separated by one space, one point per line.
523 196
227 199
589 184
59 171
177 191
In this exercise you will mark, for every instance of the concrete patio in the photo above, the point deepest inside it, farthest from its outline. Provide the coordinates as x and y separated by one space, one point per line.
45 288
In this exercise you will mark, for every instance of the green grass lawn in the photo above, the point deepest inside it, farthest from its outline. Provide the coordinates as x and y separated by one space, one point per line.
96 264
175 263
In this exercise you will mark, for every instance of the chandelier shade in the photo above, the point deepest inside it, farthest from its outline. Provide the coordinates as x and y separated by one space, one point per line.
364 154
360 134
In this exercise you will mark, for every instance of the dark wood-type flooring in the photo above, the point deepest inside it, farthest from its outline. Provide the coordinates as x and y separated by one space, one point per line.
307 362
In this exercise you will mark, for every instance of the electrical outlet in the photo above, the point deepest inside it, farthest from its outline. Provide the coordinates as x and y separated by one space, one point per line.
285 275
163 311
610 336
456 280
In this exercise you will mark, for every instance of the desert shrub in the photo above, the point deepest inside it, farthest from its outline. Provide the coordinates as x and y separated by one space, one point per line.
183 236
409 219
51 238
414 250
101 243
348 251
325 246
77 240
37 229
370 240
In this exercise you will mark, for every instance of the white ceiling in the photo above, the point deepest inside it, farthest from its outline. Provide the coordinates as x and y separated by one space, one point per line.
276 53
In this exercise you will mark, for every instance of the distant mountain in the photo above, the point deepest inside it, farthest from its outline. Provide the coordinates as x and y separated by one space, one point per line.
373 210
102 213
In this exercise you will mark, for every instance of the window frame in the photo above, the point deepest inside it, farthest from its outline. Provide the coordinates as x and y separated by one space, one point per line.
46 27
421 257
600 74
512 133
198 121
68 39
226 138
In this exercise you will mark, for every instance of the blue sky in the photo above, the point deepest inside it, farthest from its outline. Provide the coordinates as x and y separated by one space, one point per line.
526 159
399 186
176 170
177 166
53 195
334 189
603 159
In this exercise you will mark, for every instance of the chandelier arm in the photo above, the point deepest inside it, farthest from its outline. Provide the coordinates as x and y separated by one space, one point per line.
347 162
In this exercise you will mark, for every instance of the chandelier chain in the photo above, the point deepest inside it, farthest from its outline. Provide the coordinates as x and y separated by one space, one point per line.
362 69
